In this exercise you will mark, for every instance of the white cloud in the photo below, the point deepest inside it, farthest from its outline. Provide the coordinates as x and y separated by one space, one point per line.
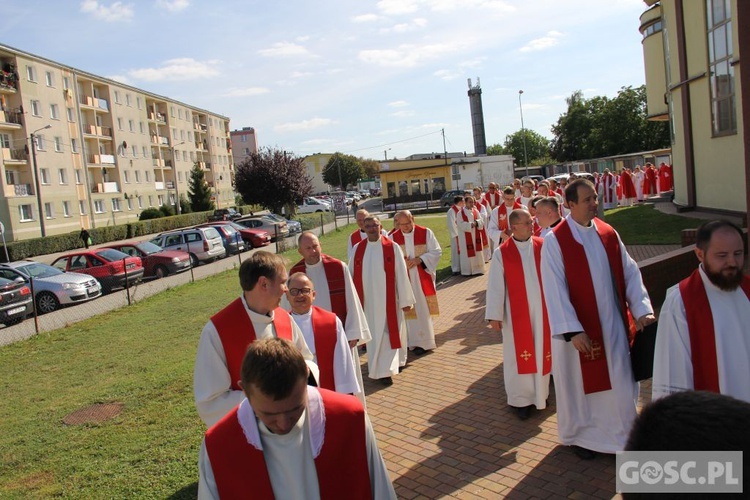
120 78
113 13
472 63
185 68
416 24
301 39
434 125
404 113
301 74
550 40
246 92
284 49
448 5
398 104
409 56
304 125
173 5
365 18
446 74
396 7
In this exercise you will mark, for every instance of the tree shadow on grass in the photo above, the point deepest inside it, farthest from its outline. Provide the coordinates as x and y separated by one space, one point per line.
188 492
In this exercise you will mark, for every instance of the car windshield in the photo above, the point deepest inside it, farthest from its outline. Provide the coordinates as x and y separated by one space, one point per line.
111 254
236 226
275 217
212 233
148 248
37 270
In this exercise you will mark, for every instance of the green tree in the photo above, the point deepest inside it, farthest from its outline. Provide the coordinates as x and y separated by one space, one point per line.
371 168
199 192
343 170
272 178
495 150
537 146
572 130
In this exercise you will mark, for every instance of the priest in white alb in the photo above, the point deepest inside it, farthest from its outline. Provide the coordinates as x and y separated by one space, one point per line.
703 338
358 234
453 211
515 306
471 250
422 253
382 283
591 288
481 205
334 292
498 229
608 189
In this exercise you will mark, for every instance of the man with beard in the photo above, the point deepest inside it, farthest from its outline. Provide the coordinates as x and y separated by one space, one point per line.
702 341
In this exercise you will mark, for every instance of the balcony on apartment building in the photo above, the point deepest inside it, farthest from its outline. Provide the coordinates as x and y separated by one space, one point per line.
105 132
200 127
94 103
105 187
100 159
15 190
160 140
8 79
11 119
157 162
18 155
157 117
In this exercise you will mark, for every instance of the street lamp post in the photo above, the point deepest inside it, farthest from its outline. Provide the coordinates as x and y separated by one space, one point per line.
523 134
36 180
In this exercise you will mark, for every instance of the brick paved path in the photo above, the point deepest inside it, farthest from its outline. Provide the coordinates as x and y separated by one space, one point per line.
444 427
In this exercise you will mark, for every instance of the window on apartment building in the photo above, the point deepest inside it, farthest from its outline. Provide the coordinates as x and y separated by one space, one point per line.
243 138
139 102
25 213
130 203
147 175
44 175
66 208
160 198
119 123
116 205
190 136
192 156
184 156
36 108
126 177
128 100
66 83
49 211
182 135
82 207
79 176
62 176
99 206
117 97
54 112
721 70
39 138
49 78
144 150
142 127
31 73
137 176
58 144
174 133
74 145
4 141
140 202
179 113
131 125
134 149
71 114
179 176
150 201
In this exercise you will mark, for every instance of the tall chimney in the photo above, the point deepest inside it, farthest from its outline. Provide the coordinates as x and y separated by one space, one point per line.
477 118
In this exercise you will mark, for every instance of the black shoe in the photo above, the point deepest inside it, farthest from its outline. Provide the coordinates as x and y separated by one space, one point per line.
583 453
456 274
386 381
419 351
522 413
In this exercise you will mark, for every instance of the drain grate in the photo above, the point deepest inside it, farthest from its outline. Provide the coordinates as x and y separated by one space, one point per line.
93 414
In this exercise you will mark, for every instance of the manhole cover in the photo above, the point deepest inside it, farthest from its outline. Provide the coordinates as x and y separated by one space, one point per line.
93 414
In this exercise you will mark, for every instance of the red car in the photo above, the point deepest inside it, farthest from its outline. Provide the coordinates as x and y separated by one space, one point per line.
111 267
256 238
157 262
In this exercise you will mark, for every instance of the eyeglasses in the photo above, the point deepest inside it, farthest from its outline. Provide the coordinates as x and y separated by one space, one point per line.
300 291
527 223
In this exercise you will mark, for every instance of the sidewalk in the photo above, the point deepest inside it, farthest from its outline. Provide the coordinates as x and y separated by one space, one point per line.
445 429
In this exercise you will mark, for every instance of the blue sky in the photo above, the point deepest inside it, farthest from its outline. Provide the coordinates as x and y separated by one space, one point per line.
362 77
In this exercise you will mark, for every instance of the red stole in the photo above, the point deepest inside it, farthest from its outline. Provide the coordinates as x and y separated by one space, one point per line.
240 469
476 245
326 336
523 336
700 323
502 222
491 200
236 332
582 297
607 195
389 261
355 237
420 239
334 270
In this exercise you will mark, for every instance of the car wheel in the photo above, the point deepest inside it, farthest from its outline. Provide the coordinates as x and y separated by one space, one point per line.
161 272
46 302
194 260
14 321
106 289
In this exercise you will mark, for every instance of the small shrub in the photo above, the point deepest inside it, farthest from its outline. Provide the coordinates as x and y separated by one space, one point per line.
151 213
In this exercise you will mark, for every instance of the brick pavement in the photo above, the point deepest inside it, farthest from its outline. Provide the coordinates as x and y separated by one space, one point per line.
445 429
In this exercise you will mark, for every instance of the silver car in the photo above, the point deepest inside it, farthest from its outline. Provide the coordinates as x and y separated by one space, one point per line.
52 287
204 244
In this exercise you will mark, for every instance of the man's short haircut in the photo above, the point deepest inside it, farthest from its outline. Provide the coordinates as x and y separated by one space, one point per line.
403 213
259 264
303 234
536 199
571 191
274 366
509 190
300 274
707 229
479 188
457 199
548 201
529 182
468 198
362 211
516 215
371 217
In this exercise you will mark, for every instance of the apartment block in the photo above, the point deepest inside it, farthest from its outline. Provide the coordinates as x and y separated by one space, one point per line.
102 151
244 143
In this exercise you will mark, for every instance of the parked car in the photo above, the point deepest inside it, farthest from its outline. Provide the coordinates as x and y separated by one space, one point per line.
232 240
157 262
224 214
273 228
111 267
15 301
255 238
204 244
53 288
294 226
447 199
311 205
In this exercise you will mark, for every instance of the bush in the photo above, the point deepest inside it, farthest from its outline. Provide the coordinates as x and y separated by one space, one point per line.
310 221
167 210
151 213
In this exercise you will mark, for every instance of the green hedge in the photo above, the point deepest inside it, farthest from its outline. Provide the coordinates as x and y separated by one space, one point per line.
310 221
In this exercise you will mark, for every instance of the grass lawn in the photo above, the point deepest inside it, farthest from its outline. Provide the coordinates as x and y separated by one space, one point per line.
644 225
142 357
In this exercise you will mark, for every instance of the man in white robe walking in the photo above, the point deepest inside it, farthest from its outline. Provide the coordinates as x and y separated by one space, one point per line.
515 306
358 234
422 253
382 282
471 254
591 285
453 211
703 338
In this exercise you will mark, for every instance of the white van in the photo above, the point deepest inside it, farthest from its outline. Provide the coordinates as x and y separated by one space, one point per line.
311 205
